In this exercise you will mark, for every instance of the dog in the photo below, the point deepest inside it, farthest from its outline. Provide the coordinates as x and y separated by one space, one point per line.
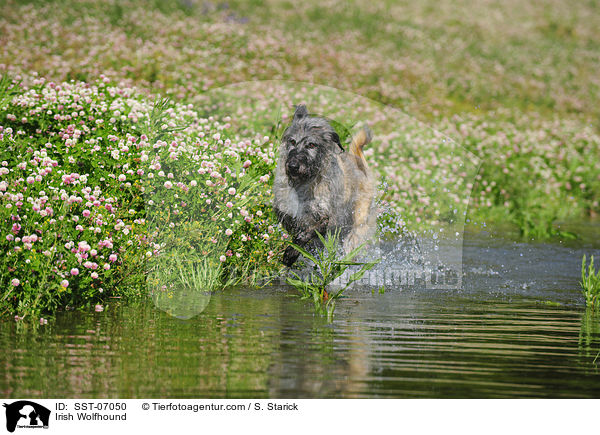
320 187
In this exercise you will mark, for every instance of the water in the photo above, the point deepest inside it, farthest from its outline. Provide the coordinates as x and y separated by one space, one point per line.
518 328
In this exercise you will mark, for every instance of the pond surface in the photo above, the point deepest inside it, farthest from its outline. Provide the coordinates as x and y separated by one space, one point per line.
518 328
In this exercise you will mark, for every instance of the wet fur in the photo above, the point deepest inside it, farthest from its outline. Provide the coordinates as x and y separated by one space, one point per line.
333 190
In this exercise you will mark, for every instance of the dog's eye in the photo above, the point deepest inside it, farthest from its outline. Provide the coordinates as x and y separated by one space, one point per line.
292 142
311 145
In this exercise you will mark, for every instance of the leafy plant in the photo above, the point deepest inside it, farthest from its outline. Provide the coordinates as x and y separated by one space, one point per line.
7 88
326 269
536 221
590 282
133 191
157 125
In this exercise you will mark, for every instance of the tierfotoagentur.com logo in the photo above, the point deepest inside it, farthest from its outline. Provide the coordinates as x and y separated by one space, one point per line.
25 414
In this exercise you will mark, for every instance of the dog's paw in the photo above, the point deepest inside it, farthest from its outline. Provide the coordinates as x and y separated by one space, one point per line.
304 237
290 256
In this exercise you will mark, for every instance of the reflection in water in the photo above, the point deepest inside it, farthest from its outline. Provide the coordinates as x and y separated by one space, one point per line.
182 302
267 344
588 339
494 338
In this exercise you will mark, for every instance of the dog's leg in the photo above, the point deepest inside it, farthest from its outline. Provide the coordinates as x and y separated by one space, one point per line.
303 237
290 255
310 233
286 220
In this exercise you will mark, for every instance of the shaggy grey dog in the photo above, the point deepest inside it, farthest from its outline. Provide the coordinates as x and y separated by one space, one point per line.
320 187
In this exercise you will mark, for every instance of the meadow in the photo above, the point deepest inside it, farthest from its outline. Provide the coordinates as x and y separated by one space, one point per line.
121 151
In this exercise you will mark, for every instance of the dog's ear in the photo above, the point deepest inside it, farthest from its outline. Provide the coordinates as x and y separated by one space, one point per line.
300 112
335 138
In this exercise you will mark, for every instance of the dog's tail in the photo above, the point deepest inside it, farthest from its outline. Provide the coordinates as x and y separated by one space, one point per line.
359 140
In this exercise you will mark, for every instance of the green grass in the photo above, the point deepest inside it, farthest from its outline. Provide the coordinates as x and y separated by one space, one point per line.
137 190
515 86
326 269
491 76
590 283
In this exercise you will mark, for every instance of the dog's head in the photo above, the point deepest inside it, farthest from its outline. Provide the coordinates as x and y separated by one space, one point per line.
307 145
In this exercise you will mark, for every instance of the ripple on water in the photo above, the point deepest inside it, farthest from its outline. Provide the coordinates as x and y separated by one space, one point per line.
516 328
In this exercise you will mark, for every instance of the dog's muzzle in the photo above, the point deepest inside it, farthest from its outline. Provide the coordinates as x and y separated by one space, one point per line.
295 168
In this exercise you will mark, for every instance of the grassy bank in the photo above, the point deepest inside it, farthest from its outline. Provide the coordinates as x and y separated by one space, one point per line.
516 85
101 187
508 90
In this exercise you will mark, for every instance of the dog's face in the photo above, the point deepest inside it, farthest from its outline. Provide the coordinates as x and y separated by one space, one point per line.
307 145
